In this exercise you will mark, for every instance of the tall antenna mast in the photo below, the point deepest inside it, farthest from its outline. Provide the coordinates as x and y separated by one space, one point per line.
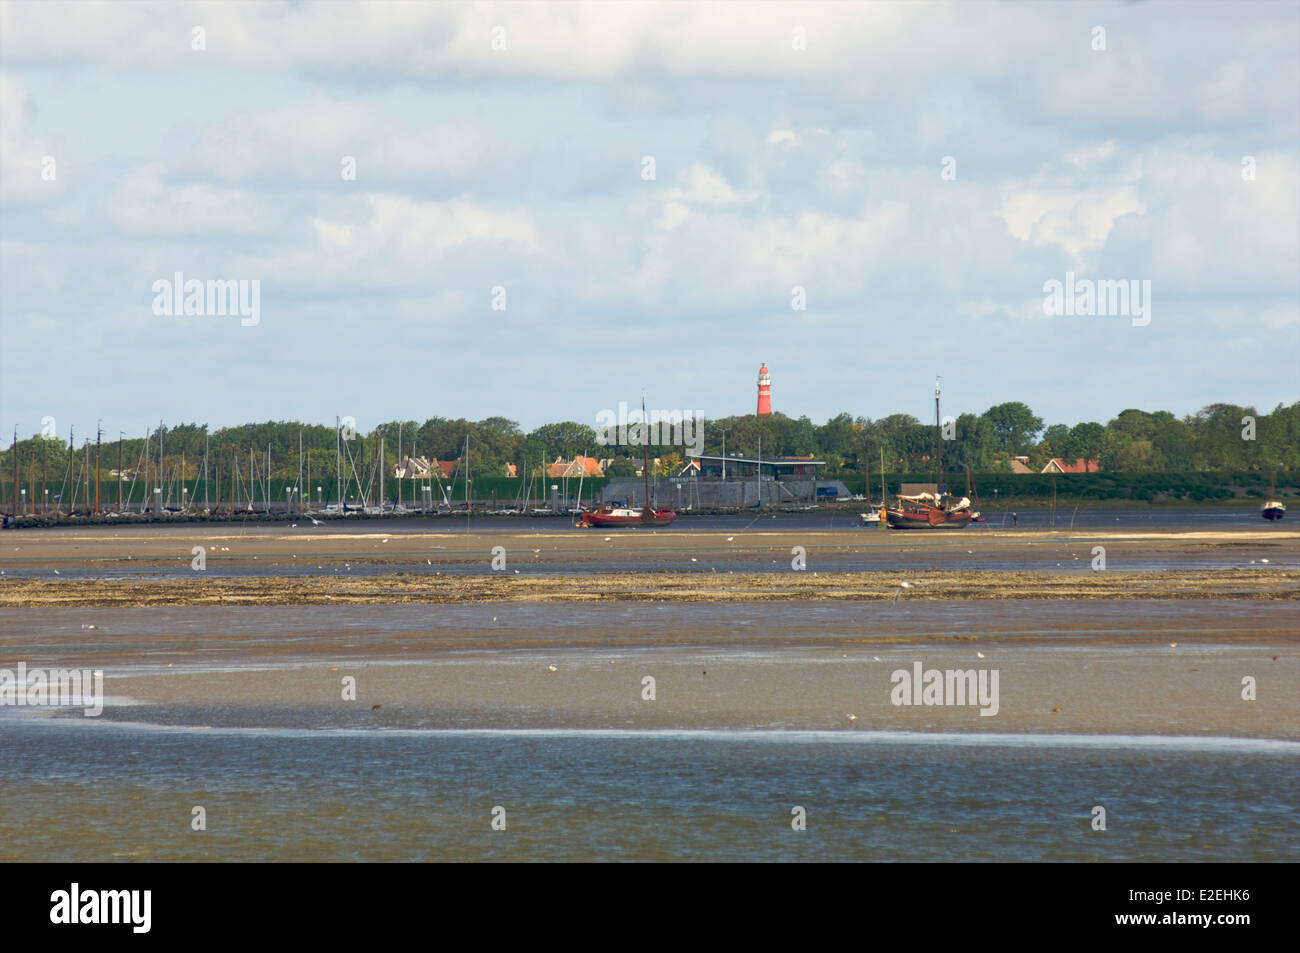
938 460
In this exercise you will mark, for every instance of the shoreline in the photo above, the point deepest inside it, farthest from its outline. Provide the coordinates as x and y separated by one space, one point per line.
483 511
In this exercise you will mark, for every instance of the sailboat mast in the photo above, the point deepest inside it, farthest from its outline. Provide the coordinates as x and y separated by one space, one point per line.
99 437
72 460
645 453
938 461
866 468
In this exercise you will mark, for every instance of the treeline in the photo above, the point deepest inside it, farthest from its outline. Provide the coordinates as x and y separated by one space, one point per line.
1220 437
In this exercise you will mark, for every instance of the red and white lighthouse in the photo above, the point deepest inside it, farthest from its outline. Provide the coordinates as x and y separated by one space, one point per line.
764 392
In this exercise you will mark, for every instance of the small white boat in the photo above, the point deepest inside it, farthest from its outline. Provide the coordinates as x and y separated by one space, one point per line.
871 516
1273 510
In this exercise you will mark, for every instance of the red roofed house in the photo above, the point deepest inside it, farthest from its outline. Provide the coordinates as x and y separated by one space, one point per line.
578 466
1057 465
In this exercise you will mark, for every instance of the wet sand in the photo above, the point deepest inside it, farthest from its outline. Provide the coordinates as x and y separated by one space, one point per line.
1187 691
1125 666
316 567
1077 651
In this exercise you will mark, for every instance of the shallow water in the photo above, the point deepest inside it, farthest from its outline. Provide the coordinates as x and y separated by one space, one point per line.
76 792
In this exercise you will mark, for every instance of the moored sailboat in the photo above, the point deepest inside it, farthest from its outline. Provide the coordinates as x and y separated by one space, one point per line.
925 511
930 510
1274 509
619 514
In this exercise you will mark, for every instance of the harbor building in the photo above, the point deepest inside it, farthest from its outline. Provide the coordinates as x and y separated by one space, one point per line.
732 481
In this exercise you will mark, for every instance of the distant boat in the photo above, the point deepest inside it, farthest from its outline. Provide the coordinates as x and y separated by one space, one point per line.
619 514
611 514
871 516
926 510
1273 510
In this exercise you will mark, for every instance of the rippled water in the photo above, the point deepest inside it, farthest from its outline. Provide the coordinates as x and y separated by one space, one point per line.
77 792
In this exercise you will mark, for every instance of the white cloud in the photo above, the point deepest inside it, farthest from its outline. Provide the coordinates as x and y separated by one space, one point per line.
1077 220
22 157
306 142
145 204
396 242
706 187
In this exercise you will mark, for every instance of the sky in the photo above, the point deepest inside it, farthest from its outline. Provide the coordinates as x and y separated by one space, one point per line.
539 210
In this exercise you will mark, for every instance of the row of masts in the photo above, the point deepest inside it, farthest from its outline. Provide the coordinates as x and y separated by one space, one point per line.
234 488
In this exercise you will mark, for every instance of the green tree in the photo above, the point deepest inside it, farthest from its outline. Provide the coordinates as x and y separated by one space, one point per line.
1088 438
1014 426
567 439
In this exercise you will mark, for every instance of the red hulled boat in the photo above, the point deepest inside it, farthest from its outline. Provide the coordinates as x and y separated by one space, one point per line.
931 510
619 514
923 511
611 514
